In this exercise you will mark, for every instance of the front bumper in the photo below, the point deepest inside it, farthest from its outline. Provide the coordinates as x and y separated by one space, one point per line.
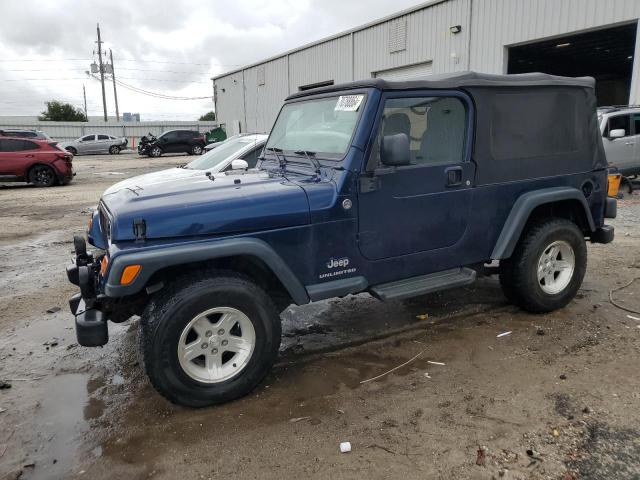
90 320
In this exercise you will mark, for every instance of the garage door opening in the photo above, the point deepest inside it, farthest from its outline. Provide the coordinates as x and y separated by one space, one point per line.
607 55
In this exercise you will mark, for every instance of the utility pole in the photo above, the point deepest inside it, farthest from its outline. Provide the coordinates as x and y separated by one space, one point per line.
104 97
84 94
115 92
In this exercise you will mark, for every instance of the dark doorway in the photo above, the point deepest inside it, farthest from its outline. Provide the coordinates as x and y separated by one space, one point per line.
607 55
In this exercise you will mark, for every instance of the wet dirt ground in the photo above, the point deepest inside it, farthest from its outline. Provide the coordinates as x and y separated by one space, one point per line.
557 398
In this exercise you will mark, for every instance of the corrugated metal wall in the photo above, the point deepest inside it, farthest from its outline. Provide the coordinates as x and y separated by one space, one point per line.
488 28
500 23
63 131
427 39
331 60
260 104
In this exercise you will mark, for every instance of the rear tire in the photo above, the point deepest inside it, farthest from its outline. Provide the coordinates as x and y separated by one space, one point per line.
209 339
114 150
547 267
42 176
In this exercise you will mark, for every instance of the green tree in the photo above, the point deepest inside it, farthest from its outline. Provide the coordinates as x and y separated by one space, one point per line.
62 112
208 117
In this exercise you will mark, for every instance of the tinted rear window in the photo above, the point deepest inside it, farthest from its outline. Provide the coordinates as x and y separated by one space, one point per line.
534 125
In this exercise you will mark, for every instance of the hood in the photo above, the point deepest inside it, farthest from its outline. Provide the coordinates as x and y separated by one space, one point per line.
161 177
196 205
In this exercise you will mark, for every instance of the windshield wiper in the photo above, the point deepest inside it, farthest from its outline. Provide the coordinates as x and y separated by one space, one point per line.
282 161
311 156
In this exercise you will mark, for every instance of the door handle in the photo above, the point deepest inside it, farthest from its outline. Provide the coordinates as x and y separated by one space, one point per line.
29 156
630 144
454 176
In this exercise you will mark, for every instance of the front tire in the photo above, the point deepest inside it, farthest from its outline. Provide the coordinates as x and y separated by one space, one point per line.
196 150
211 341
114 150
547 267
72 151
155 152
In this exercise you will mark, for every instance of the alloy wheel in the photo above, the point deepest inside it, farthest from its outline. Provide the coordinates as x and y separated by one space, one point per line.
216 345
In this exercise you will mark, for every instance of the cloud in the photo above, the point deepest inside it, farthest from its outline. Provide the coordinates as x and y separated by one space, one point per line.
158 45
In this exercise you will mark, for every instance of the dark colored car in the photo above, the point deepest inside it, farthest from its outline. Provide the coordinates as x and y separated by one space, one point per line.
397 189
38 162
174 141
23 133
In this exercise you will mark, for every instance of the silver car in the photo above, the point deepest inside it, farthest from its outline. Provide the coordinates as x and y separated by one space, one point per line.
620 128
95 143
235 155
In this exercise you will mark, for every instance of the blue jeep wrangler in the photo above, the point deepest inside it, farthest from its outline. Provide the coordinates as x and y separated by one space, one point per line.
396 189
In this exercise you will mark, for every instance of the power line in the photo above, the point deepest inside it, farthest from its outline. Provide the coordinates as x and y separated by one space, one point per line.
7 60
155 94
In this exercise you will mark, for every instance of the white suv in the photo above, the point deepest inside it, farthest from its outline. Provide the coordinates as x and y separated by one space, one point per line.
620 127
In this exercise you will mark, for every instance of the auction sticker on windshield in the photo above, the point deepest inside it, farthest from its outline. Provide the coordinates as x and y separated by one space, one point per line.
349 103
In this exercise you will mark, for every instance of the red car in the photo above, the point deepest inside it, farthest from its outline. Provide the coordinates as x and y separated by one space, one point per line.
39 162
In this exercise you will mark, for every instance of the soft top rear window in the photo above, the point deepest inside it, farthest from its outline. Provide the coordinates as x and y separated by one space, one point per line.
538 124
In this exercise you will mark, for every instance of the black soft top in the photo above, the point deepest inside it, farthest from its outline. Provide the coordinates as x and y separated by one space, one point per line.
526 126
458 80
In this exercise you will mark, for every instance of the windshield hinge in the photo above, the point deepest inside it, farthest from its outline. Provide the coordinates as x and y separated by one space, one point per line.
139 229
369 184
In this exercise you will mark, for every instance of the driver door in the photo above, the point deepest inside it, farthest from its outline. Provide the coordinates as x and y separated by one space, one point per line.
620 152
87 144
424 205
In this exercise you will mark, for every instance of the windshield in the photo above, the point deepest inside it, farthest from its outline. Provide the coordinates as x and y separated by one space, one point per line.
323 126
219 154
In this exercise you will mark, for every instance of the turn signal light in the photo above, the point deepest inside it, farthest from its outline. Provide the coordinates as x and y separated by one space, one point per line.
104 263
129 274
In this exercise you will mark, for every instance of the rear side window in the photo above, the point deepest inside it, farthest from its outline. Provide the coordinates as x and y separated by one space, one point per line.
27 145
620 122
103 137
88 138
534 125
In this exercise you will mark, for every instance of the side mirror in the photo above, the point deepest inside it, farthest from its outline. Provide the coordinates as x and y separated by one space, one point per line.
394 150
617 133
239 164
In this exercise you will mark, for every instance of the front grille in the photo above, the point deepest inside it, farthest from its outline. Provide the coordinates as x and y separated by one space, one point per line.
105 223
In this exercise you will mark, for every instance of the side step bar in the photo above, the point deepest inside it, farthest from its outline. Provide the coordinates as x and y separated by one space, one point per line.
412 287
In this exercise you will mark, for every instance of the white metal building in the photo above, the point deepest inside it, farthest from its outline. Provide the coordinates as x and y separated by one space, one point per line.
563 37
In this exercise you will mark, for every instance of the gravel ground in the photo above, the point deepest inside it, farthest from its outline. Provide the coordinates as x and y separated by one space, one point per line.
555 399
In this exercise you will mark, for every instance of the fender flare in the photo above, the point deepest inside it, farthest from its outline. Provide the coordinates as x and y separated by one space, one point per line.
153 260
521 210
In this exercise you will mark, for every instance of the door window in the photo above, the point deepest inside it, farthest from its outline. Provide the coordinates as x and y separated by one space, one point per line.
252 157
636 123
619 122
436 127
11 145
88 138
103 137
27 145
170 136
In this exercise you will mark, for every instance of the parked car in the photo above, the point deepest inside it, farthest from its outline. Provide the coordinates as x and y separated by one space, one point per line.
175 141
96 143
393 188
22 133
39 162
620 127
210 146
236 154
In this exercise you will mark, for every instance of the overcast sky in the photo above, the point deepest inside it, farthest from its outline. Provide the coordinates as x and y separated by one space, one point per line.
46 47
